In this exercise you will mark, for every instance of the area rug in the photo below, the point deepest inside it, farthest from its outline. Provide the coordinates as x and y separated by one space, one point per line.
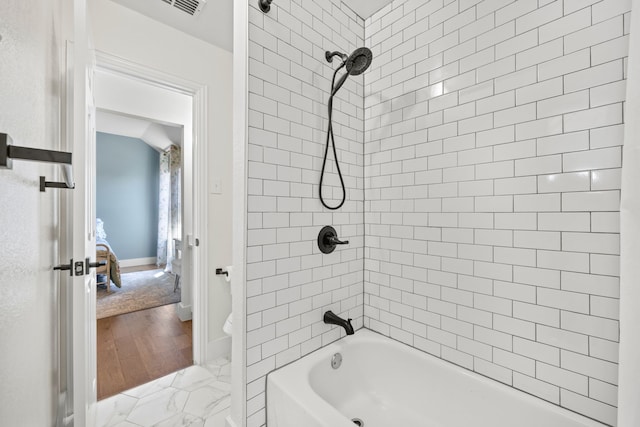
140 290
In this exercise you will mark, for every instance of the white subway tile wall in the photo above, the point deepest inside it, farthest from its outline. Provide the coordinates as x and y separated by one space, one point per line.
483 167
492 156
290 284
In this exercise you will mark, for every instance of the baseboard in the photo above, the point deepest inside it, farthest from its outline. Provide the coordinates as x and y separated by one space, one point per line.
219 348
229 422
184 312
134 262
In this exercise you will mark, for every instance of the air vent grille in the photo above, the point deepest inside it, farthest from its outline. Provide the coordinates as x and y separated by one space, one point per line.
191 7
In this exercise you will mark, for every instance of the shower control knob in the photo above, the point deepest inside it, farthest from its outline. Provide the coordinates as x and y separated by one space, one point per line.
328 239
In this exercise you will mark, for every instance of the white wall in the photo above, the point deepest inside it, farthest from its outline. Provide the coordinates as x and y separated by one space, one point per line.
122 32
493 159
137 98
31 51
629 372
290 283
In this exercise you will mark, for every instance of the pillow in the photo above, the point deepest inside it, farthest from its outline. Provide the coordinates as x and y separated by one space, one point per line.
100 233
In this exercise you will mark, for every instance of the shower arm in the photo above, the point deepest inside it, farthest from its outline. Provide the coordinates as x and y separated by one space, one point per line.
329 56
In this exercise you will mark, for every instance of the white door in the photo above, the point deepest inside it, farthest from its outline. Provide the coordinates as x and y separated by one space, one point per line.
83 229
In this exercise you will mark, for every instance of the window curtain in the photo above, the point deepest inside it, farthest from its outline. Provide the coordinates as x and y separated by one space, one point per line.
629 361
169 212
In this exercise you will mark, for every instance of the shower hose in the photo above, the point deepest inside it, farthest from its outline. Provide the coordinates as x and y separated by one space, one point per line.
331 141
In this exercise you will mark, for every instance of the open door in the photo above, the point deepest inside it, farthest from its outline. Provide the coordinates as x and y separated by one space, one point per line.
80 226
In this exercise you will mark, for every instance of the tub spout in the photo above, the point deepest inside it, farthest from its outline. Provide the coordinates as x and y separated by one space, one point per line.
332 319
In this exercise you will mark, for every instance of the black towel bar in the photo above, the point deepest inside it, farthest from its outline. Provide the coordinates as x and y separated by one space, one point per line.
9 152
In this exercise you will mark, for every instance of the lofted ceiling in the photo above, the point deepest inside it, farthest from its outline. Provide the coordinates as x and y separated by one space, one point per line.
365 8
159 136
213 23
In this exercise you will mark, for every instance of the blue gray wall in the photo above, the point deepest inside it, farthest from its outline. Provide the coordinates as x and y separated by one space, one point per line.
127 181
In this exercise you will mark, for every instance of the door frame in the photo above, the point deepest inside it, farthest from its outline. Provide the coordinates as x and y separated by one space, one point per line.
238 416
196 241
76 232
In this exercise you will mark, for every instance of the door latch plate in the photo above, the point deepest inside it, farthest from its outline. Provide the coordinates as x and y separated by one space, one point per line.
79 268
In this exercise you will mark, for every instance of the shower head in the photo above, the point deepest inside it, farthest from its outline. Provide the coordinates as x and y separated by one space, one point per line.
355 64
359 61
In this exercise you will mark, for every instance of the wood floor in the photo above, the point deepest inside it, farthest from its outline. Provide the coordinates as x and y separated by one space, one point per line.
133 269
138 347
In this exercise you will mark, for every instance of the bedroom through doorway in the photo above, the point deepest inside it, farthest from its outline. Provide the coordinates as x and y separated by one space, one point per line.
138 210
143 151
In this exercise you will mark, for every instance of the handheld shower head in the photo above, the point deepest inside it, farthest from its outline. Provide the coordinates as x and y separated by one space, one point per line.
355 64
359 61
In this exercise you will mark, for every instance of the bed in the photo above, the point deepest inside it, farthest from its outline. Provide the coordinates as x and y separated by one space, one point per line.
110 272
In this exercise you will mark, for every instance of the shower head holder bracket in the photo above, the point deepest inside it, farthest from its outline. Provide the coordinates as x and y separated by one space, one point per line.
329 55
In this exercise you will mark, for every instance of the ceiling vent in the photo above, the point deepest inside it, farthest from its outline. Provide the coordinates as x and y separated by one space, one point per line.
192 7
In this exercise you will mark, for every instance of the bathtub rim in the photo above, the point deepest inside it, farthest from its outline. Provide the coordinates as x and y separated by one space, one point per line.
322 410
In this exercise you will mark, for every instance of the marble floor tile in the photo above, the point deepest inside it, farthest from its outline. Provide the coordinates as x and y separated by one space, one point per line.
158 406
199 396
126 424
181 420
217 420
207 401
113 411
151 387
193 378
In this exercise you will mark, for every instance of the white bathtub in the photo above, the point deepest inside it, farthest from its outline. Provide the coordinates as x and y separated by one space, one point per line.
387 384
